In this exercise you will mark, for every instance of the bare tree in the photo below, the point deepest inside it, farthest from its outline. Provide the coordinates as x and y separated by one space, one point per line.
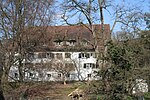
86 13
90 12
63 69
16 16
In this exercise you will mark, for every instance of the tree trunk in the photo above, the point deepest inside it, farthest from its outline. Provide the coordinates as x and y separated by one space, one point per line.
20 71
1 90
64 80
4 82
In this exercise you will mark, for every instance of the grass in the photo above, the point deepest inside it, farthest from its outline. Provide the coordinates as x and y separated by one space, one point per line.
44 90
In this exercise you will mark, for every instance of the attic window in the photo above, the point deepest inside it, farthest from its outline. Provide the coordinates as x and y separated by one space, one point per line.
42 44
58 42
71 42
84 43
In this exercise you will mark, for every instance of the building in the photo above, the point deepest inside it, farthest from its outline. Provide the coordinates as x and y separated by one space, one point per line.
60 53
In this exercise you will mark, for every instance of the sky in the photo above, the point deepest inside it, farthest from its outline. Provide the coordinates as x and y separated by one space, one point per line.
108 19
144 5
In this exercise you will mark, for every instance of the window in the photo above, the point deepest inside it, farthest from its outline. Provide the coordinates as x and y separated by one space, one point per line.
59 55
49 75
81 55
89 65
28 65
84 55
93 66
89 75
50 55
30 55
42 44
68 75
84 43
31 74
84 66
87 55
42 55
36 55
32 43
16 75
71 42
59 75
38 64
58 42
40 74
93 55
67 55
69 65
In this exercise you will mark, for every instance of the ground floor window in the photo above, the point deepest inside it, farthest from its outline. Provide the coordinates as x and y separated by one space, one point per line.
89 65
16 75
89 75
59 75
31 74
49 75
67 75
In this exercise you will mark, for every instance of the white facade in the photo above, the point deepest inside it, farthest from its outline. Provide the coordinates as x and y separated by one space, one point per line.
84 67
50 51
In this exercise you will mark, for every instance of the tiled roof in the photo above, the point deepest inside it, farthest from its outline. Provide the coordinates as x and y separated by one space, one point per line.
44 38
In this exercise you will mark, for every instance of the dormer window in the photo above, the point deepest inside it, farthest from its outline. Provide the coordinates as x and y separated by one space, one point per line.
84 43
71 42
58 42
42 44
33 43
